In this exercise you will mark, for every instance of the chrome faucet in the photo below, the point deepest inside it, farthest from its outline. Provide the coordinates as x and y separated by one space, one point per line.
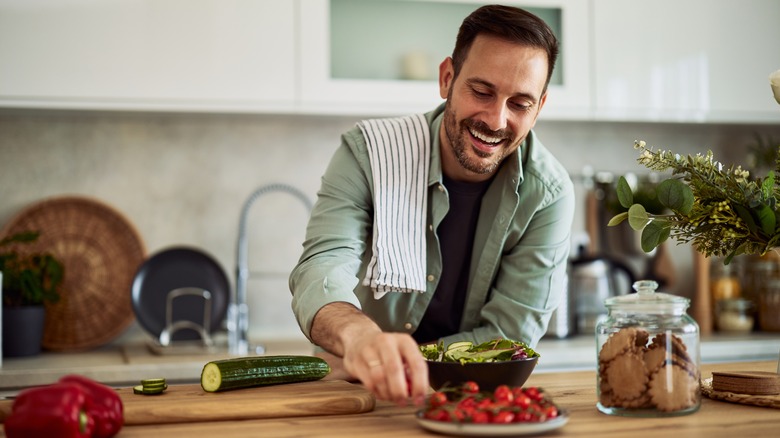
238 311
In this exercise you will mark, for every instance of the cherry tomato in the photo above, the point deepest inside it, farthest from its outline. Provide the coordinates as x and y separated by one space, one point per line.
468 402
437 415
485 403
551 412
523 417
522 401
503 417
503 395
437 399
533 393
480 417
470 387
461 415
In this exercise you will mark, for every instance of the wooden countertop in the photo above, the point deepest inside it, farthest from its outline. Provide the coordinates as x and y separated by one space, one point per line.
121 365
574 391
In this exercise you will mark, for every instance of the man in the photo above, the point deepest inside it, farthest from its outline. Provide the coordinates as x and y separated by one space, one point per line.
488 228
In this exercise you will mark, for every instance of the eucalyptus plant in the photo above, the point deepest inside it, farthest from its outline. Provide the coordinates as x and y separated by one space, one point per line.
721 211
28 279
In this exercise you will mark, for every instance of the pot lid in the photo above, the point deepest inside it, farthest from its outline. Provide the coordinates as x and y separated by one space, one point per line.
647 300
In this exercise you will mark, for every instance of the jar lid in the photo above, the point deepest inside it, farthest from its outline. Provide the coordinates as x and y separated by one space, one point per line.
647 300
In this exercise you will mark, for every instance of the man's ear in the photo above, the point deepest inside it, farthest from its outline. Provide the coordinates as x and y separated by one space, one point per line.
446 75
541 105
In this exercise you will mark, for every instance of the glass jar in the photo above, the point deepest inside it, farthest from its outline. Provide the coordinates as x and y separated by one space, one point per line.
734 315
724 281
648 355
756 272
769 306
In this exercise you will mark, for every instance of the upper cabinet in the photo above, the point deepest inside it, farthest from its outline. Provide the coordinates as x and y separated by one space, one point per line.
692 61
213 55
664 60
383 56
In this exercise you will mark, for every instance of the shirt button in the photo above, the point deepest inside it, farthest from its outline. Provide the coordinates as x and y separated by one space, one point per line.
441 188
431 278
430 227
408 326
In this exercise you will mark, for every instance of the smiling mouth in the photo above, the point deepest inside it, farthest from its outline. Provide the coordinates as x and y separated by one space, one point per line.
485 142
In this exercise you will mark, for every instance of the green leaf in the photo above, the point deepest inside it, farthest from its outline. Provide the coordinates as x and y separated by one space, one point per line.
23 236
624 193
617 219
739 251
676 195
768 186
766 216
654 234
745 215
637 217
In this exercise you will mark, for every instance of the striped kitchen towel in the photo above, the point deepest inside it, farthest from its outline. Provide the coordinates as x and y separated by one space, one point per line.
399 152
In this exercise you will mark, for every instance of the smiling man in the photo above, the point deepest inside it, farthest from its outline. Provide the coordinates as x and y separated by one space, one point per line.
447 226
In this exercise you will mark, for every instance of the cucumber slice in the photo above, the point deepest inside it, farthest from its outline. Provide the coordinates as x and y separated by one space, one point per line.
462 345
151 387
140 389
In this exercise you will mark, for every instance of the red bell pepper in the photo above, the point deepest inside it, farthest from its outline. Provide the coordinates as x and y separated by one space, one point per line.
103 404
58 410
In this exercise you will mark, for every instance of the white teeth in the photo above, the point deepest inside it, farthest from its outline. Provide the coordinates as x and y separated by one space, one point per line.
486 139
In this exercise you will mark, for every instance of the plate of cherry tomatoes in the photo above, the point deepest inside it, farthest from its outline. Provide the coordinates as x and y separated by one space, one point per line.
506 411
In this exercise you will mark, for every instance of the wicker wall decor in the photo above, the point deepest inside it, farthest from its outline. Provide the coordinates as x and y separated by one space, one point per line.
100 251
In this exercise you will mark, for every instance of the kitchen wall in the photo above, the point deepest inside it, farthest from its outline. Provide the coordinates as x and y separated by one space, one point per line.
181 179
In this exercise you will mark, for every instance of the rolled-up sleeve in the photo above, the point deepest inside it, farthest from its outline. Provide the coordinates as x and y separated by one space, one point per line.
336 236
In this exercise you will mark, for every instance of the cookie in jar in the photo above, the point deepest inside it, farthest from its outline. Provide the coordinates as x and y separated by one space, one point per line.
648 355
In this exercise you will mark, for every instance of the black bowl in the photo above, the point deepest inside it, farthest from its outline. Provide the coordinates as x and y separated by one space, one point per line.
488 375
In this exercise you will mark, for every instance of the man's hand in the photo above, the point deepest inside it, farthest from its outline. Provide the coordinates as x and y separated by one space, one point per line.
388 364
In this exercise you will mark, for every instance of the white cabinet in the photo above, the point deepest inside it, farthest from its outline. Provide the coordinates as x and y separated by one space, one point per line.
356 54
223 55
666 60
692 61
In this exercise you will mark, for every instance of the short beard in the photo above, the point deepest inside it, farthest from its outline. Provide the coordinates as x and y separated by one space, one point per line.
460 145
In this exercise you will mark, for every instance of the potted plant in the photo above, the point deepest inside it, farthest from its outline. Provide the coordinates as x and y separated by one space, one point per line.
29 281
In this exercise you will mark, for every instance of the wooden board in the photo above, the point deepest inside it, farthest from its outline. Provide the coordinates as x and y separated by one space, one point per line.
189 403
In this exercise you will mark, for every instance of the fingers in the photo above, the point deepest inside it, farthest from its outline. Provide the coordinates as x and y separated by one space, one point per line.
416 373
390 365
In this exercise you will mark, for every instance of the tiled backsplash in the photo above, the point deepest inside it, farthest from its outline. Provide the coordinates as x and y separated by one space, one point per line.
182 179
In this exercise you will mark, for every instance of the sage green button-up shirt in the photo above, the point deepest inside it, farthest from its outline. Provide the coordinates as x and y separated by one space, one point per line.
518 267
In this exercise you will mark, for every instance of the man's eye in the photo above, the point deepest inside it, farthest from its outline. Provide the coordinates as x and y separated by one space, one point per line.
522 106
481 94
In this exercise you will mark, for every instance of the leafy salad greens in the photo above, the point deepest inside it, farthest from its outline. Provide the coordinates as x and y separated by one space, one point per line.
497 350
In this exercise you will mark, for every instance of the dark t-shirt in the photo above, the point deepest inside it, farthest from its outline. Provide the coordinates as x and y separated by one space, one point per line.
456 236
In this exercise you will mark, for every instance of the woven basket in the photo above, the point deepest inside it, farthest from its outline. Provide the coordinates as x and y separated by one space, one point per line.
100 252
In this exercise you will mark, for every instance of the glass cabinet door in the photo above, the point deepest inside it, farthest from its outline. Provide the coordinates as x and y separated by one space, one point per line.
383 56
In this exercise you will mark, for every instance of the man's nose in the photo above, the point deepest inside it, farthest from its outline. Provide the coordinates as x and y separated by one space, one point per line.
496 115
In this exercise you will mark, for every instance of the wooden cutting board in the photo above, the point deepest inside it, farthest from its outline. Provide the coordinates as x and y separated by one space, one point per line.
189 403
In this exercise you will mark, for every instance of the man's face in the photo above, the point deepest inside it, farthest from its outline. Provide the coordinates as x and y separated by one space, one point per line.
491 105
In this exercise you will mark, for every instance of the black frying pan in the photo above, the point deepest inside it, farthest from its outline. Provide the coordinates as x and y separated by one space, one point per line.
174 268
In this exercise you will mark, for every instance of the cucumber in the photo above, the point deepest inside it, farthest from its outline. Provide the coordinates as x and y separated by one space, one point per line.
247 372
461 345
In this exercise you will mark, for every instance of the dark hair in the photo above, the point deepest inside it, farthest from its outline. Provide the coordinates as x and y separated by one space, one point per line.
509 23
